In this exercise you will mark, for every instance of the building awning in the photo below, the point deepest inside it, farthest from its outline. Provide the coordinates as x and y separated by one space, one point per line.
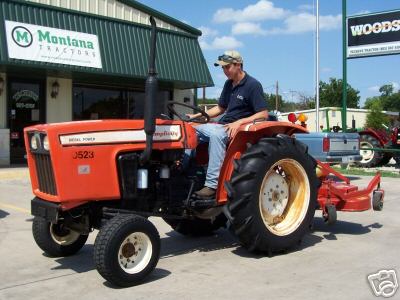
124 46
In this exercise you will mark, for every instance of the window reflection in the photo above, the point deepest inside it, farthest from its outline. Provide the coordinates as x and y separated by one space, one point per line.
90 103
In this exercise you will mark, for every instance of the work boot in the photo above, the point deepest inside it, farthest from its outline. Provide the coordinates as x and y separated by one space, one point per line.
206 193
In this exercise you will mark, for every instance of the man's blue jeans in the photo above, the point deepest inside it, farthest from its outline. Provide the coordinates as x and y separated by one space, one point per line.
217 138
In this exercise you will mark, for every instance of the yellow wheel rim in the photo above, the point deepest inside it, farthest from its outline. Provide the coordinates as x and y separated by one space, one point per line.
284 197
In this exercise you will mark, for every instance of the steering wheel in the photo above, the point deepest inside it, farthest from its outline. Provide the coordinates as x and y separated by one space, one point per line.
170 107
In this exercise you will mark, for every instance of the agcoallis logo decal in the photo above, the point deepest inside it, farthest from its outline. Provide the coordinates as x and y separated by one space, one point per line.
377 27
171 134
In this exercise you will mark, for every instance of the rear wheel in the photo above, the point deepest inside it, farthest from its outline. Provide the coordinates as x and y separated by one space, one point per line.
273 194
370 158
126 250
55 239
197 226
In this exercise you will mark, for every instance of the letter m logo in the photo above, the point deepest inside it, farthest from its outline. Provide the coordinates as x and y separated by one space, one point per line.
22 36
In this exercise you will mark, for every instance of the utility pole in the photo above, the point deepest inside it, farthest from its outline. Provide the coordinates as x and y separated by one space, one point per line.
317 71
276 95
344 54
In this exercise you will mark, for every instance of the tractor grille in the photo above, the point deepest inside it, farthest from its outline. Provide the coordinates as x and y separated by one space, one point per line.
45 174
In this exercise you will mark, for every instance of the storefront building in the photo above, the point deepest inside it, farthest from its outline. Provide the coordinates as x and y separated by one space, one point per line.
66 60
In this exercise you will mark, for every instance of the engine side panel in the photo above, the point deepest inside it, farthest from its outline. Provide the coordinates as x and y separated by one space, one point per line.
83 156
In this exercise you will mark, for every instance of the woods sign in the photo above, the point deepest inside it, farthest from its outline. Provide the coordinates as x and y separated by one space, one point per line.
52 45
373 34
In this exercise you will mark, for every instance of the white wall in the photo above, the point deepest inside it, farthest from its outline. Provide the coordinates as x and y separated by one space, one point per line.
59 109
108 8
335 117
3 103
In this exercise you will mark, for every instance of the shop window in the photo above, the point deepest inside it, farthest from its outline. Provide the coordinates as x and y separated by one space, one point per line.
92 103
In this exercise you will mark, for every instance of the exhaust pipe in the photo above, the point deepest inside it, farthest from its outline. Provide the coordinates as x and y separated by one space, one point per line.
151 89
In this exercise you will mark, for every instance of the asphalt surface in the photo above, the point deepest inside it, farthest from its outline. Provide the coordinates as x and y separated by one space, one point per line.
332 262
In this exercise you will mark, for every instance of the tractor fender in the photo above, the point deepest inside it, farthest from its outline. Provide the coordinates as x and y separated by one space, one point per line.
247 135
380 136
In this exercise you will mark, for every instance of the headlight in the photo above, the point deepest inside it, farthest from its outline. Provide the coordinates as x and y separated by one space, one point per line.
46 144
34 142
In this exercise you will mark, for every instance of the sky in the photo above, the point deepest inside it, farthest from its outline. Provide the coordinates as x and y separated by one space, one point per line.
276 39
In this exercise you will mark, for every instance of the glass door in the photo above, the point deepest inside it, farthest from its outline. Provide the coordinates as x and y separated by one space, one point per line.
25 108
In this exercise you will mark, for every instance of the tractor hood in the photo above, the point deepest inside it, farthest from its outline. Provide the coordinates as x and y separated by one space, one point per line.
112 132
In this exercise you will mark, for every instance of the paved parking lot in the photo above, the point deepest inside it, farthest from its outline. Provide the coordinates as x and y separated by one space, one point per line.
331 263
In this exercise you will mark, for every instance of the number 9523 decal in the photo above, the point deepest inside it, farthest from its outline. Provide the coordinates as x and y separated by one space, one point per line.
83 155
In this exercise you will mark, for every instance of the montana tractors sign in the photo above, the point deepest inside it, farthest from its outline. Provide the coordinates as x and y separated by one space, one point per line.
373 34
52 45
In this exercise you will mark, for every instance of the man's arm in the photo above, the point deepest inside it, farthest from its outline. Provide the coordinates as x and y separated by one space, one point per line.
212 112
233 127
259 115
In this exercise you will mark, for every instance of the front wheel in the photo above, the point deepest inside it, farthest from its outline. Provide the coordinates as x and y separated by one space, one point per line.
55 239
126 250
273 194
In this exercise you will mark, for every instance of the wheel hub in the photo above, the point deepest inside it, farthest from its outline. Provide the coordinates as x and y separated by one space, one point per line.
128 250
284 197
275 197
135 252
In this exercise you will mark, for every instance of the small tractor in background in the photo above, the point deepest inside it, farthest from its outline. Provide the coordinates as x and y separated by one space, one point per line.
112 175
377 147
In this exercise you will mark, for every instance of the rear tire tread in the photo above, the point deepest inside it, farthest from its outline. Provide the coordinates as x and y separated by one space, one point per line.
248 229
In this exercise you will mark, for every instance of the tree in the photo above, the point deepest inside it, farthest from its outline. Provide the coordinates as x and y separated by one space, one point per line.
389 99
271 101
371 101
306 102
387 89
375 118
331 94
207 101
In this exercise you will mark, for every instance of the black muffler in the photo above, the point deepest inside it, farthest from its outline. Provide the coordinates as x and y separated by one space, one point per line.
151 90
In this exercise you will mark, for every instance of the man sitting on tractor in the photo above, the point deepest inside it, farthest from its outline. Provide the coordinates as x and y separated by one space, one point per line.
242 101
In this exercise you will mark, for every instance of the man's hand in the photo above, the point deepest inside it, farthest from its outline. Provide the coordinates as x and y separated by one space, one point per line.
232 128
192 116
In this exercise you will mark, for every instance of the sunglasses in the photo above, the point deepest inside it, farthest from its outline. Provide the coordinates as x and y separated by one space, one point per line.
227 58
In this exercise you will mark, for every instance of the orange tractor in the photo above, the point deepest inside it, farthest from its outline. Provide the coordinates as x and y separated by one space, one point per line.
112 175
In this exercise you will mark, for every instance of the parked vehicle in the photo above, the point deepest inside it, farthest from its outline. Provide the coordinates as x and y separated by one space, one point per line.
379 146
332 147
111 175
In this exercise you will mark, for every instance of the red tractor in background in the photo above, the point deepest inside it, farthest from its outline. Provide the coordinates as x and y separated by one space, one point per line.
379 147
112 175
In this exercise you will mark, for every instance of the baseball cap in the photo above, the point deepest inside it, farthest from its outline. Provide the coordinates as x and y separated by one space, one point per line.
229 57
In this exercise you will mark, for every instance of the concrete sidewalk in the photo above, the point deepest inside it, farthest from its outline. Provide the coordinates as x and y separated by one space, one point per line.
14 172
